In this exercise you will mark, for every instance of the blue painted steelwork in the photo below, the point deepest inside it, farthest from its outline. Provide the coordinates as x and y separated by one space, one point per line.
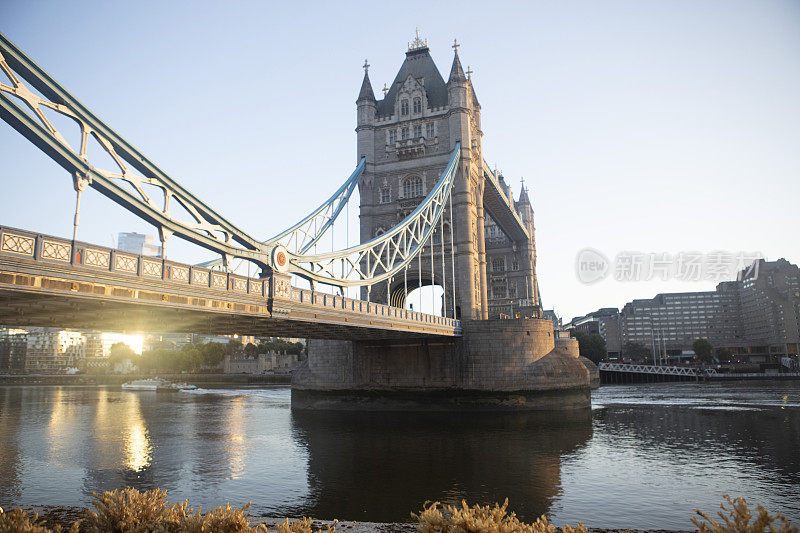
306 233
387 255
209 229
364 265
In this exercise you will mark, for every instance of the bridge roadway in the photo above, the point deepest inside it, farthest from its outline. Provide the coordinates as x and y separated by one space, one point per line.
49 281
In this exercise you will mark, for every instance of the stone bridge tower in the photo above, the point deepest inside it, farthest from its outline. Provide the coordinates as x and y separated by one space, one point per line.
407 138
507 357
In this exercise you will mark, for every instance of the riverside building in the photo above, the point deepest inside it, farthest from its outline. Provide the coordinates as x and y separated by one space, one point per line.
756 317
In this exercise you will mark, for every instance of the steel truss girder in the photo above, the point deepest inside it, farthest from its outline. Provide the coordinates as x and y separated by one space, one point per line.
384 256
209 229
306 233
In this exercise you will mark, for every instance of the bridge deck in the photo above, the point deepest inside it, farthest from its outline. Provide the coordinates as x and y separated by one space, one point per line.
47 281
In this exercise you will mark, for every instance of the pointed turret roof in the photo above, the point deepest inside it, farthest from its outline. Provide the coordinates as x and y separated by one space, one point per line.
420 66
456 72
523 196
366 92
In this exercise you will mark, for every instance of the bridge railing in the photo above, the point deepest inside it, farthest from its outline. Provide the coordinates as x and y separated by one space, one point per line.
655 369
55 251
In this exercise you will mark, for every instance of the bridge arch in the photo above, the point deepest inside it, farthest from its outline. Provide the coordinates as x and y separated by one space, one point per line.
405 291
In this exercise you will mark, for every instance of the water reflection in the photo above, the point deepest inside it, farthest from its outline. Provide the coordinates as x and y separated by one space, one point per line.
137 442
382 466
236 437
10 456
643 459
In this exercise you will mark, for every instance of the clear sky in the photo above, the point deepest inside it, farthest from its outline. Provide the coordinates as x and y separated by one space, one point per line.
656 127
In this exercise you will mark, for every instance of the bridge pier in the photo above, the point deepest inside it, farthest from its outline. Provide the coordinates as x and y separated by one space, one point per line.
515 364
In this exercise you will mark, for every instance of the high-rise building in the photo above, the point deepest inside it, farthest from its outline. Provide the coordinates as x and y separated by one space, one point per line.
757 316
51 350
138 243
676 320
13 347
769 307
604 322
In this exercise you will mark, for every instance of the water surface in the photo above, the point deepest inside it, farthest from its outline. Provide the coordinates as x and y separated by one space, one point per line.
643 457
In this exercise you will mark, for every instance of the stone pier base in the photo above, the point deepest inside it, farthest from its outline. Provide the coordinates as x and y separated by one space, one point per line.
513 364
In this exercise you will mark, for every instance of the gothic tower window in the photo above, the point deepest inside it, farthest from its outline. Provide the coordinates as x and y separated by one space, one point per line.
412 187
498 288
512 290
429 130
498 264
418 131
514 264
392 136
404 107
386 195
404 134
417 105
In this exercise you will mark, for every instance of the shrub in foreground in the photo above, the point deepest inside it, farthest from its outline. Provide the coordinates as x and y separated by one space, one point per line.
481 519
736 518
18 521
131 511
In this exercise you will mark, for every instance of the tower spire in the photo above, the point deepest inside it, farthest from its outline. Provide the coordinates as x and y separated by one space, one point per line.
366 92
456 71
523 193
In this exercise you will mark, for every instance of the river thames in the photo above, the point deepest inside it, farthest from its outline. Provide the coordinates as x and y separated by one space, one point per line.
642 458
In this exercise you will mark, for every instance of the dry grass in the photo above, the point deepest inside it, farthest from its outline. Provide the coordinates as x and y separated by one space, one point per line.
481 519
132 511
18 521
737 518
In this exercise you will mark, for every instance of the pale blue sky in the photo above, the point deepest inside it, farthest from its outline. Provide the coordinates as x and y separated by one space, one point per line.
648 126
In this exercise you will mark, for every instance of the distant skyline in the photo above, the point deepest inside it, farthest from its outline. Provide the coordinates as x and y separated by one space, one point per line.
659 127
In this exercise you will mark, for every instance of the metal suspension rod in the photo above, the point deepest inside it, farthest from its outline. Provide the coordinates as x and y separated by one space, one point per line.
405 286
77 217
452 253
419 278
433 279
444 278
347 235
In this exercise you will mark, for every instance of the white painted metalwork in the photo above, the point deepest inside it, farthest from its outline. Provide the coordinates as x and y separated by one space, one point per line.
655 369
384 256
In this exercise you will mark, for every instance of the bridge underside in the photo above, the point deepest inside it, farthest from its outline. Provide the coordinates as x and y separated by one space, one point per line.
20 308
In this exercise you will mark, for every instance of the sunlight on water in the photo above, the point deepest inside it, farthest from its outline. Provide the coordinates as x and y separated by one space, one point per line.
236 432
137 441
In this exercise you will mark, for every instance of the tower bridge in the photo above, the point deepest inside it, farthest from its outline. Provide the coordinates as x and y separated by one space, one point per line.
427 200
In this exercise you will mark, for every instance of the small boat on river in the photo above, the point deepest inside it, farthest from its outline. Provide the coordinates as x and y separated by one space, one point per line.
156 384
